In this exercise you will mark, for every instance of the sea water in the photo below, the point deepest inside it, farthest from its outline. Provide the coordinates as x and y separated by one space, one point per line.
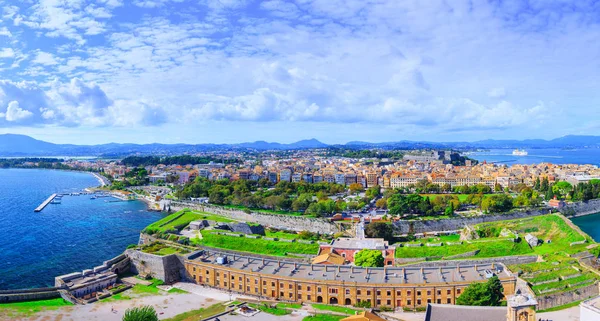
80 233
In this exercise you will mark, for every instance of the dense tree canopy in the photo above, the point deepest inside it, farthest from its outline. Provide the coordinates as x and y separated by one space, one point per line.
369 258
379 230
489 293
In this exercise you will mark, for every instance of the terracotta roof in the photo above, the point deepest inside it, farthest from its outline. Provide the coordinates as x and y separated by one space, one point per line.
331 258
364 316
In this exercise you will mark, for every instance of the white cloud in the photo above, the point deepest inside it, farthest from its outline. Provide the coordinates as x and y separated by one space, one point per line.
4 32
6 53
16 113
45 58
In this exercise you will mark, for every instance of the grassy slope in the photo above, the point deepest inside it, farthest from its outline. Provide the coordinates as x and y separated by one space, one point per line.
546 227
199 314
24 309
258 246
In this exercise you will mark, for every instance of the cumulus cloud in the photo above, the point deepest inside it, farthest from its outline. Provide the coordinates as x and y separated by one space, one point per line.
44 58
75 103
15 113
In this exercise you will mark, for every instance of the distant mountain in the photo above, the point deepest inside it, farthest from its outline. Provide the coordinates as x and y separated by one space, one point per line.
12 145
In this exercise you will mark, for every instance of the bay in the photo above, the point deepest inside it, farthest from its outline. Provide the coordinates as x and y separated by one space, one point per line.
80 233
546 155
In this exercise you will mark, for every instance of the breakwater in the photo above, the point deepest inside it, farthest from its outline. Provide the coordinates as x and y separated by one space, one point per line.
45 203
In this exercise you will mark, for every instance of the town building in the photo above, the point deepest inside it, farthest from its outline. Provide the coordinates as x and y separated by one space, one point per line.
392 287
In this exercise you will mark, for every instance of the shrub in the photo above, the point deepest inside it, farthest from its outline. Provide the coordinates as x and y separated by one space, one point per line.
363 304
146 313
132 246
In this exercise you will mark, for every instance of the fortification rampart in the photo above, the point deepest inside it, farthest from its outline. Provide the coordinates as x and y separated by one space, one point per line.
554 300
289 222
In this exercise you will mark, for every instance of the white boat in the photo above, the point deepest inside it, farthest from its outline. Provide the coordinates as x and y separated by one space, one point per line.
520 152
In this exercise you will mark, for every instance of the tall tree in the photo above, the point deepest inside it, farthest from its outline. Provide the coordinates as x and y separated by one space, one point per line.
369 258
145 313
482 294
380 230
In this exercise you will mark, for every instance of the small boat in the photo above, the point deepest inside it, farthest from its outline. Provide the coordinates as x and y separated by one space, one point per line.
55 201
520 152
93 197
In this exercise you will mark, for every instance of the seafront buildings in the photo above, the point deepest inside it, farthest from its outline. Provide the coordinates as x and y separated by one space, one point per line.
386 173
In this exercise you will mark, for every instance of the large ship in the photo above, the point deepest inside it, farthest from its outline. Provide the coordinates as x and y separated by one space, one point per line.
520 152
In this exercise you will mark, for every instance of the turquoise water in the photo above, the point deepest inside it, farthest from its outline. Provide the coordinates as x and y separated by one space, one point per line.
589 224
78 234
548 155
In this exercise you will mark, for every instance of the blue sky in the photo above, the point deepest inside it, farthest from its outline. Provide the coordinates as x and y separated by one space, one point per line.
197 71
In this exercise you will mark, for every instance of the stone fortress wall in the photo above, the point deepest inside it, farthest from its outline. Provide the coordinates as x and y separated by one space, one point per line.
289 222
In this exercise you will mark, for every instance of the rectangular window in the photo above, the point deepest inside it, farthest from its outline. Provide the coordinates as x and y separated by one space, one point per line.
428 292
389 293
319 289
299 296
272 283
233 277
217 273
224 283
347 291
428 300
308 297
398 293
418 293
255 281
248 288
240 279
194 269
281 294
408 292
419 302
378 302
408 302
439 292
389 302
439 301
448 300
357 292
378 293
299 287
448 292
457 291
264 282
368 292
290 286
240 286
207 272
308 288
264 291
255 290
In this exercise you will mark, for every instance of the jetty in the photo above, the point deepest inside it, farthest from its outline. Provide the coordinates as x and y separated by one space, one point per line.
45 203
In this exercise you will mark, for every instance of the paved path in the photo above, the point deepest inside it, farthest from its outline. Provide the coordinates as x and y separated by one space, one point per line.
167 306
570 314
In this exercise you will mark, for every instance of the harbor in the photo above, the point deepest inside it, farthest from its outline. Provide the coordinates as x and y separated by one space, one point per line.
45 203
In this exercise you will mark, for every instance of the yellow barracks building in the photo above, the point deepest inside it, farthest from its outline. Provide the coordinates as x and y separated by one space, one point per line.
342 284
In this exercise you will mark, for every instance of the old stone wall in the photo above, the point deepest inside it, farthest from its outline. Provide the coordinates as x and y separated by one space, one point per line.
166 268
554 300
582 208
288 222
28 294
455 224
506 260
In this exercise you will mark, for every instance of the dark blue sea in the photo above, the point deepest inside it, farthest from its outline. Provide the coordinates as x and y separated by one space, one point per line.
555 156
77 234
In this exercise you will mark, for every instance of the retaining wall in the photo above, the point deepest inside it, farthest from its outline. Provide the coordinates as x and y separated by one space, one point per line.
289 222
506 260
554 300
166 268
454 224
28 294
581 208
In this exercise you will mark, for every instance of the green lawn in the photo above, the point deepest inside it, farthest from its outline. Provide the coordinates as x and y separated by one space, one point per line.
199 314
258 246
324 317
546 227
492 248
175 221
461 197
161 249
268 309
289 305
213 217
28 308
325 307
